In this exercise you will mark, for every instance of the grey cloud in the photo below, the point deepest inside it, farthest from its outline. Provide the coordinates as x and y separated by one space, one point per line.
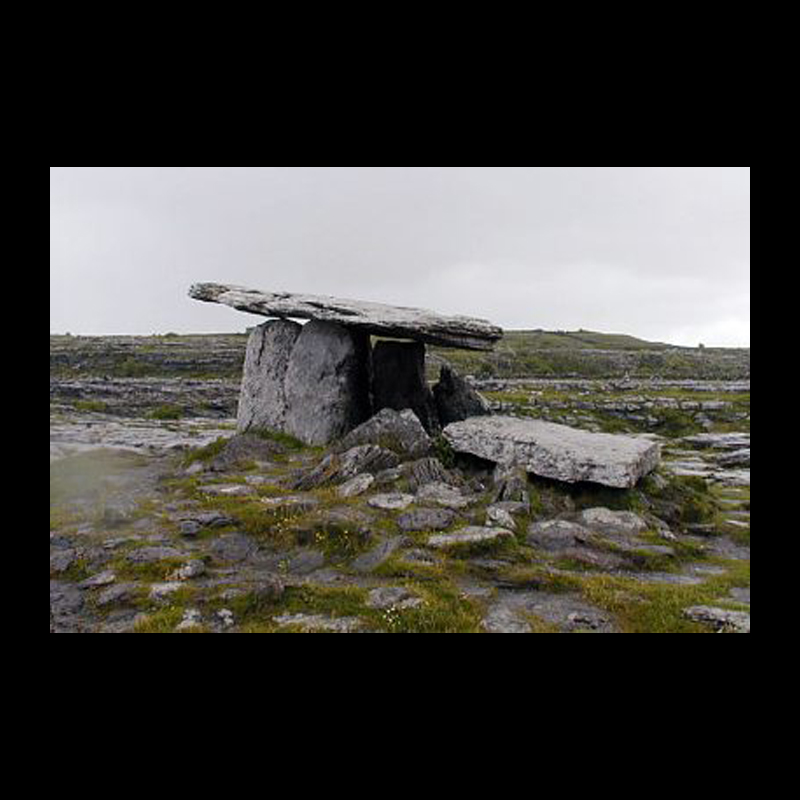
662 252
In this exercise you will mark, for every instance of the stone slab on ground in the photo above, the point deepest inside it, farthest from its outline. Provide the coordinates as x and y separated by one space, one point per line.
556 451
469 536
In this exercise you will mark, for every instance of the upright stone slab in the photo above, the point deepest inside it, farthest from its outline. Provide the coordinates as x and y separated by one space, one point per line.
262 400
327 383
398 381
309 381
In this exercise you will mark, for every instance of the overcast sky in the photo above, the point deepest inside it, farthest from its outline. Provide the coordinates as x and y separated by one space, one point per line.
657 252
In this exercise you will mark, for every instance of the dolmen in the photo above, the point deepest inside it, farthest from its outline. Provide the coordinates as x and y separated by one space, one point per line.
322 380
319 381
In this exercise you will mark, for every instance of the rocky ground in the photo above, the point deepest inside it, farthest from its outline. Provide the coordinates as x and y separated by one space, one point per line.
162 521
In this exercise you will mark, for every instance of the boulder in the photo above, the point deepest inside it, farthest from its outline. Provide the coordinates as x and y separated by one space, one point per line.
338 468
556 451
426 470
455 399
398 381
369 318
399 431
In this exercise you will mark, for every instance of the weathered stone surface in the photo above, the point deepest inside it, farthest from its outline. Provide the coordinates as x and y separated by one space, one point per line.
468 536
327 383
510 612
500 517
557 534
604 520
394 501
337 468
399 431
455 399
426 519
227 490
379 554
511 484
721 618
371 318
441 494
396 597
556 451
309 381
398 381
356 486
262 399
426 470
233 547
319 622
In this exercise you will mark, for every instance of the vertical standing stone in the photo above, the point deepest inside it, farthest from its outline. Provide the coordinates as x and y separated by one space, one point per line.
262 400
327 383
398 381
309 381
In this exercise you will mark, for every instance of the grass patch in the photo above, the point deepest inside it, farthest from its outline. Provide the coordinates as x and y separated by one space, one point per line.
658 607
166 411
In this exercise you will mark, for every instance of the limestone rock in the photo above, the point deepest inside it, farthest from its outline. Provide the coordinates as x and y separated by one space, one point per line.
722 619
426 519
441 494
468 536
338 468
455 399
510 484
604 520
326 383
371 318
319 622
557 534
399 431
262 399
500 517
356 486
394 501
310 381
396 597
426 470
556 451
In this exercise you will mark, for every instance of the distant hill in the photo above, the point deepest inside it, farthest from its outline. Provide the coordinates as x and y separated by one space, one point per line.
588 354
520 354
580 340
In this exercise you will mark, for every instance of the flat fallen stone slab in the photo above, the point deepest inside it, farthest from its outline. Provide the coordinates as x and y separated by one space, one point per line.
320 622
375 318
468 536
721 618
556 451
391 502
